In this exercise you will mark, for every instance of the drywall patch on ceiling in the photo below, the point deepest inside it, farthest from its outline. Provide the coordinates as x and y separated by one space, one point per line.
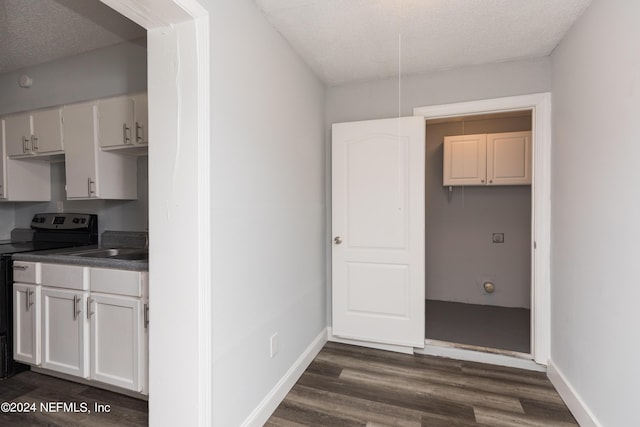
37 31
345 41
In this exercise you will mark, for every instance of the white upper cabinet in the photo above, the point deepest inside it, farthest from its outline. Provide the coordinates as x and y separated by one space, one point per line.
32 134
90 172
509 158
487 159
18 135
465 160
46 137
22 180
122 122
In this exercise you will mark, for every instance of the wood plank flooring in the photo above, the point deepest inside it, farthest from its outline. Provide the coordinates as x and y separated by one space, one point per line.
35 388
355 386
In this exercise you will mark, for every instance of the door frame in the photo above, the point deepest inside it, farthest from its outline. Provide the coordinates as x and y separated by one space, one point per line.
178 86
540 106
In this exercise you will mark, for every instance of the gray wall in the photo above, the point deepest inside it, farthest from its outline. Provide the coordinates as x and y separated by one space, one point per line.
596 210
113 70
460 255
110 71
267 178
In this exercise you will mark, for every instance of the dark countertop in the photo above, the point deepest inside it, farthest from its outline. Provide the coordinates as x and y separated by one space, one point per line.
65 256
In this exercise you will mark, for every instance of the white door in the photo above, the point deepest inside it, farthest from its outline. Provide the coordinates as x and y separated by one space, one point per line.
116 335
378 231
80 151
115 122
26 323
65 332
47 131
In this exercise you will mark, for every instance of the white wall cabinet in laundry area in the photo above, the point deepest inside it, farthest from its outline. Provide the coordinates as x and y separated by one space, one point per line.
90 323
487 159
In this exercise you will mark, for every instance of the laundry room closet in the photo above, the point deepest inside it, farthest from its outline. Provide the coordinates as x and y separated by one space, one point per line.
478 235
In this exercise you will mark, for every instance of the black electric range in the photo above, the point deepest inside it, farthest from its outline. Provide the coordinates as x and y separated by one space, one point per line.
50 231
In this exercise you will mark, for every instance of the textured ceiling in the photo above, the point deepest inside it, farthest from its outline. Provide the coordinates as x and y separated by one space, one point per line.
38 31
349 40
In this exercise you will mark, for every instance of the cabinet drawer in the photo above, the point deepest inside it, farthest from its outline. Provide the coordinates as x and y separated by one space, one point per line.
65 276
120 282
26 272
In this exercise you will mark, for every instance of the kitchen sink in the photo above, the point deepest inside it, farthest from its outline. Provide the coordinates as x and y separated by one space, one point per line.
131 254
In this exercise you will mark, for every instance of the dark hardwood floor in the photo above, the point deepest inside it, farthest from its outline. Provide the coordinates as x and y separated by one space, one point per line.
355 386
30 387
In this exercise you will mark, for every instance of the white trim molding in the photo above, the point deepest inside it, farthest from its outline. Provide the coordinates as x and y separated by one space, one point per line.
263 411
571 398
433 348
178 58
540 105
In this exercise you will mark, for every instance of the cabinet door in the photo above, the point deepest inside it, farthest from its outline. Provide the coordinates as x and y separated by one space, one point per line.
18 135
115 122
65 332
116 340
26 323
80 151
509 158
465 160
141 119
47 131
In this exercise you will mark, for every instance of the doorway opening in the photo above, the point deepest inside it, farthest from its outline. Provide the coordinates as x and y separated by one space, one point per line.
479 232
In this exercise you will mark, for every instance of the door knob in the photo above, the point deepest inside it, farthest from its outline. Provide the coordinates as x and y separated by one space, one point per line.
337 240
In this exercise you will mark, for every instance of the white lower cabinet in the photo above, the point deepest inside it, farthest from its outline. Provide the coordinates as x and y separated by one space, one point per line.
65 331
85 322
26 321
116 340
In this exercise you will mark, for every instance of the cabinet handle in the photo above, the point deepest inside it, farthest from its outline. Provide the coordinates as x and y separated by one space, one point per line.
34 143
490 181
90 190
29 298
20 267
138 132
482 181
125 137
89 312
146 315
75 307
25 140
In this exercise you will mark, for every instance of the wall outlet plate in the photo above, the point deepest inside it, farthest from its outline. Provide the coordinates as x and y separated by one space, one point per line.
497 237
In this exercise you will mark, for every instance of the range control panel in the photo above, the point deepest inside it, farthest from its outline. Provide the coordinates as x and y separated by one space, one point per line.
63 221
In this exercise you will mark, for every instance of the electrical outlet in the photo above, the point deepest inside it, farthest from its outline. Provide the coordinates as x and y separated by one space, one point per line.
274 344
497 237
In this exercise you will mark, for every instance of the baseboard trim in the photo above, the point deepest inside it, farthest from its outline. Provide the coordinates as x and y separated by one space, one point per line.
571 398
369 344
263 411
479 356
